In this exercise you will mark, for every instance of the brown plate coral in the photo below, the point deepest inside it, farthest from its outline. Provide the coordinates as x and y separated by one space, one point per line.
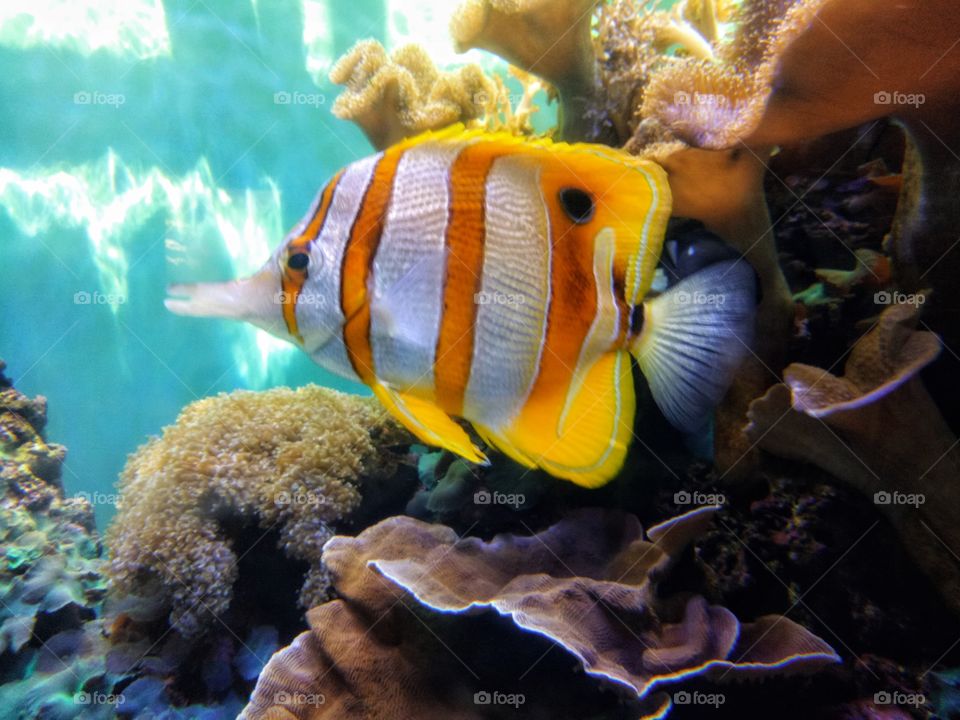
587 584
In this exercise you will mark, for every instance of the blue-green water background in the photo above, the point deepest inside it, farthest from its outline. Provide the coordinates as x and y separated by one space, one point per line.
194 176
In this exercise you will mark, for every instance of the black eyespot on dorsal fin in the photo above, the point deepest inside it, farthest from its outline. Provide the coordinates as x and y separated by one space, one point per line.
577 204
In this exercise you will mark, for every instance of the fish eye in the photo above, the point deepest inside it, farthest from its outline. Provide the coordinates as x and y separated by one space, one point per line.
577 204
298 261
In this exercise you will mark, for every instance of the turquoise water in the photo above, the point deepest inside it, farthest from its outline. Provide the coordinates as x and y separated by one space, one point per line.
144 143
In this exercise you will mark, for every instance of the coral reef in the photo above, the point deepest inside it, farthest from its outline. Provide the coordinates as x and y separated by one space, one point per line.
50 569
549 39
293 461
588 584
835 423
392 97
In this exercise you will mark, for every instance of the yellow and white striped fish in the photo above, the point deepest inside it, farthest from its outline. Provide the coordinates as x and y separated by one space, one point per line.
503 281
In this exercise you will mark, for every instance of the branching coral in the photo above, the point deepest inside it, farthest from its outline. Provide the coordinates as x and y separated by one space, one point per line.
392 97
587 584
877 429
291 460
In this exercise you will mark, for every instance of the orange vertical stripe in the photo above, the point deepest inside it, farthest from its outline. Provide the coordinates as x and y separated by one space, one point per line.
466 230
573 303
292 280
358 265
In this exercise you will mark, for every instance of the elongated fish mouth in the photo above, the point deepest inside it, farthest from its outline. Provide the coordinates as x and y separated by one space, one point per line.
255 299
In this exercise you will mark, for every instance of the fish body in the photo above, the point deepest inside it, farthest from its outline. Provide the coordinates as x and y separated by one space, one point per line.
471 275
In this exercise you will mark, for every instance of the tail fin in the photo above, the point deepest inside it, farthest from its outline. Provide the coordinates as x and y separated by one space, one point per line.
694 337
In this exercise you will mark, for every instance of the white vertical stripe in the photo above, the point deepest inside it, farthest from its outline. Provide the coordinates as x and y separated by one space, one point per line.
409 269
515 294
318 309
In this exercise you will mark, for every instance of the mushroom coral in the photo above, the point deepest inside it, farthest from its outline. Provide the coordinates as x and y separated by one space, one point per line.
877 429
291 460
587 584
392 97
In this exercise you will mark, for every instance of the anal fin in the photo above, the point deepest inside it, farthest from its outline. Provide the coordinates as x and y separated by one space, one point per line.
585 439
429 423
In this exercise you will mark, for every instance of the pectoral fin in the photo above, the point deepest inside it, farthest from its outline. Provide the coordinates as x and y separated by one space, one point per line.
429 423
